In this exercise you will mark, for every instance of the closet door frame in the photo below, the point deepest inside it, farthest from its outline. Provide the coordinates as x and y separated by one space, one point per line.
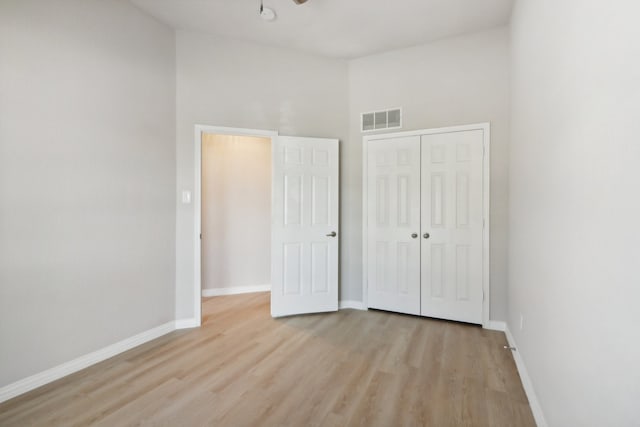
486 203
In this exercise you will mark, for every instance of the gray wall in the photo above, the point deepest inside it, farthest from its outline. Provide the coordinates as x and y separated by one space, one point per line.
224 82
455 81
87 179
236 211
574 207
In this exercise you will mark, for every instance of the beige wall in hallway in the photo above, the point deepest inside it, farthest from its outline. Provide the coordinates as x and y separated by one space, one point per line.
236 211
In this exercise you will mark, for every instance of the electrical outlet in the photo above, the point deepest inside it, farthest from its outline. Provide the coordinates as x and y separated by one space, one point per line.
521 322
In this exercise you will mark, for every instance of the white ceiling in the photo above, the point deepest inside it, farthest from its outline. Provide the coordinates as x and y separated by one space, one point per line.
334 28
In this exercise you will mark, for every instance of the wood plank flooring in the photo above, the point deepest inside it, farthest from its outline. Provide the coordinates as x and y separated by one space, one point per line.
243 368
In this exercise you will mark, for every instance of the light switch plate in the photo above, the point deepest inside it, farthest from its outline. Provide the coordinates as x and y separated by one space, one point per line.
186 197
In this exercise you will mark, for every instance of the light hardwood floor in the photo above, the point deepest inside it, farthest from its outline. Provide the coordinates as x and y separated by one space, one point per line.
243 368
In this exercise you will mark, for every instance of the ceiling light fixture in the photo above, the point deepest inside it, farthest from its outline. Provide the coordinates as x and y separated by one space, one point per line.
267 14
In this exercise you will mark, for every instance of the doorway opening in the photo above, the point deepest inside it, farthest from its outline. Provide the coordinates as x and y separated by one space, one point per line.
233 212
236 214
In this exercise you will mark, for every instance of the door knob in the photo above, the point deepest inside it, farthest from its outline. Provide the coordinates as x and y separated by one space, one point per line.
414 235
426 235
332 234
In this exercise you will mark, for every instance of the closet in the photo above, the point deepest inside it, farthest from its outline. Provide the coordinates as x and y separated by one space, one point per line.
426 215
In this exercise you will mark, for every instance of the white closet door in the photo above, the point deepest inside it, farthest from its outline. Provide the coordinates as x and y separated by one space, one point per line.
304 254
394 224
452 224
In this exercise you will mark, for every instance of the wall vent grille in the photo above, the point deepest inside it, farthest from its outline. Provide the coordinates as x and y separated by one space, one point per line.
384 119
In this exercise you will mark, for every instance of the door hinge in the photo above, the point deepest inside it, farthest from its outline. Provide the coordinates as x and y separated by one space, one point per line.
200 236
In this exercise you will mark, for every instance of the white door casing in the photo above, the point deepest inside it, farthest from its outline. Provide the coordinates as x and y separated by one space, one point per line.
394 224
452 221
305 226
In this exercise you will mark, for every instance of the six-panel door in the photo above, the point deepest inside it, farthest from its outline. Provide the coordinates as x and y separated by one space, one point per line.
394 224
452 215
304 255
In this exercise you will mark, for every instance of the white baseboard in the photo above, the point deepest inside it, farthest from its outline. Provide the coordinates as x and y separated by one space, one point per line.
27 384
356 305
538 415
214 292
496 325
187 323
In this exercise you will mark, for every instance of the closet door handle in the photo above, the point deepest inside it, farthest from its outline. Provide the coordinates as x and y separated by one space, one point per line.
414 235
332 234
426 235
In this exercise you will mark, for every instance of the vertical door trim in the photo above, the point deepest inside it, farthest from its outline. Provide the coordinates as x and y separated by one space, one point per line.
197 203
486 205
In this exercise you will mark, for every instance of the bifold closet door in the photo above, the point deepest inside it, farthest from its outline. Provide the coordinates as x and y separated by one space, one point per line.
393 224
452 226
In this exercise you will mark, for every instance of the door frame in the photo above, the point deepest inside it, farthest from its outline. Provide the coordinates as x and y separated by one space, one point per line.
197 200
486 205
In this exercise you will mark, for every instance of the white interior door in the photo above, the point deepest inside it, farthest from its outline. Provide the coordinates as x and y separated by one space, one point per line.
304 256
452 226
393 223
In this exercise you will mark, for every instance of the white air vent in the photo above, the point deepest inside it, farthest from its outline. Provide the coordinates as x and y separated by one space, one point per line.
378 120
